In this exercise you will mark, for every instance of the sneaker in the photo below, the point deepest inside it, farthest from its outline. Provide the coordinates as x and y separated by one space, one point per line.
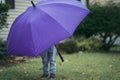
44 76
52 76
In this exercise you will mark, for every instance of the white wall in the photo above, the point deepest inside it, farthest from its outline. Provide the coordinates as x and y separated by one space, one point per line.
84 2
2 1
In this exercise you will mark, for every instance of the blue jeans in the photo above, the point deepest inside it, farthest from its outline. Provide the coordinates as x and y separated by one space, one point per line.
49 56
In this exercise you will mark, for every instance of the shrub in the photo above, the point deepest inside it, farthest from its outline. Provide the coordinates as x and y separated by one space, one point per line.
69 46
3 15
90 44
3 55
3 24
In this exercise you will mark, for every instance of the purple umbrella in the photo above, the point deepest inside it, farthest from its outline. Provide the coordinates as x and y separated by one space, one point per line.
43 25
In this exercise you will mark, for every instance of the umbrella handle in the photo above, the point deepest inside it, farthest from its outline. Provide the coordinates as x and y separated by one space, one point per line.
33 3
59 54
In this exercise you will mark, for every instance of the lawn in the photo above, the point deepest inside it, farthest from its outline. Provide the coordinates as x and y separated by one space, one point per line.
79 66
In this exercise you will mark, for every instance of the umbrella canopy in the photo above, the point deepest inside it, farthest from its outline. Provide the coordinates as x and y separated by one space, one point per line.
44 25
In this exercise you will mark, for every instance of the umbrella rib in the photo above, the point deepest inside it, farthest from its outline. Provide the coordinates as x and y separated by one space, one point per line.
32 39
31 32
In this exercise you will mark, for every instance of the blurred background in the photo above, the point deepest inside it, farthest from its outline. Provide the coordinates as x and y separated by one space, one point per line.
98 33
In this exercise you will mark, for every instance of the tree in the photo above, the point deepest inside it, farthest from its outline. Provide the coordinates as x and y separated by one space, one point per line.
3 15
103 21
3 24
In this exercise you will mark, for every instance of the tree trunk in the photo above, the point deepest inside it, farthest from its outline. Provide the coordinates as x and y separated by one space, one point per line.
108 41
87 3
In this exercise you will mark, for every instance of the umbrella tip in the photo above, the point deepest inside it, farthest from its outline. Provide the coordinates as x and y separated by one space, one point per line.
33 4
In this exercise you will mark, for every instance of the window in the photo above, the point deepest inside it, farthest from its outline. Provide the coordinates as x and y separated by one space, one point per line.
11 3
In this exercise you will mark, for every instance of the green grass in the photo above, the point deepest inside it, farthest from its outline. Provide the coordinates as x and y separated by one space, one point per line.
80 66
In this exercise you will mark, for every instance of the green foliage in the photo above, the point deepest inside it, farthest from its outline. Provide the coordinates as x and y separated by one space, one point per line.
3 15
102 21
3 55
69 46
115 48
90 44
3 24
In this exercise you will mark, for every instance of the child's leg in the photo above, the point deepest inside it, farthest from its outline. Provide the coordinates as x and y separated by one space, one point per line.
52 59
45 62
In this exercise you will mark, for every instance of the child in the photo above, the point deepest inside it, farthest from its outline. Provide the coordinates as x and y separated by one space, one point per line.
49 56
